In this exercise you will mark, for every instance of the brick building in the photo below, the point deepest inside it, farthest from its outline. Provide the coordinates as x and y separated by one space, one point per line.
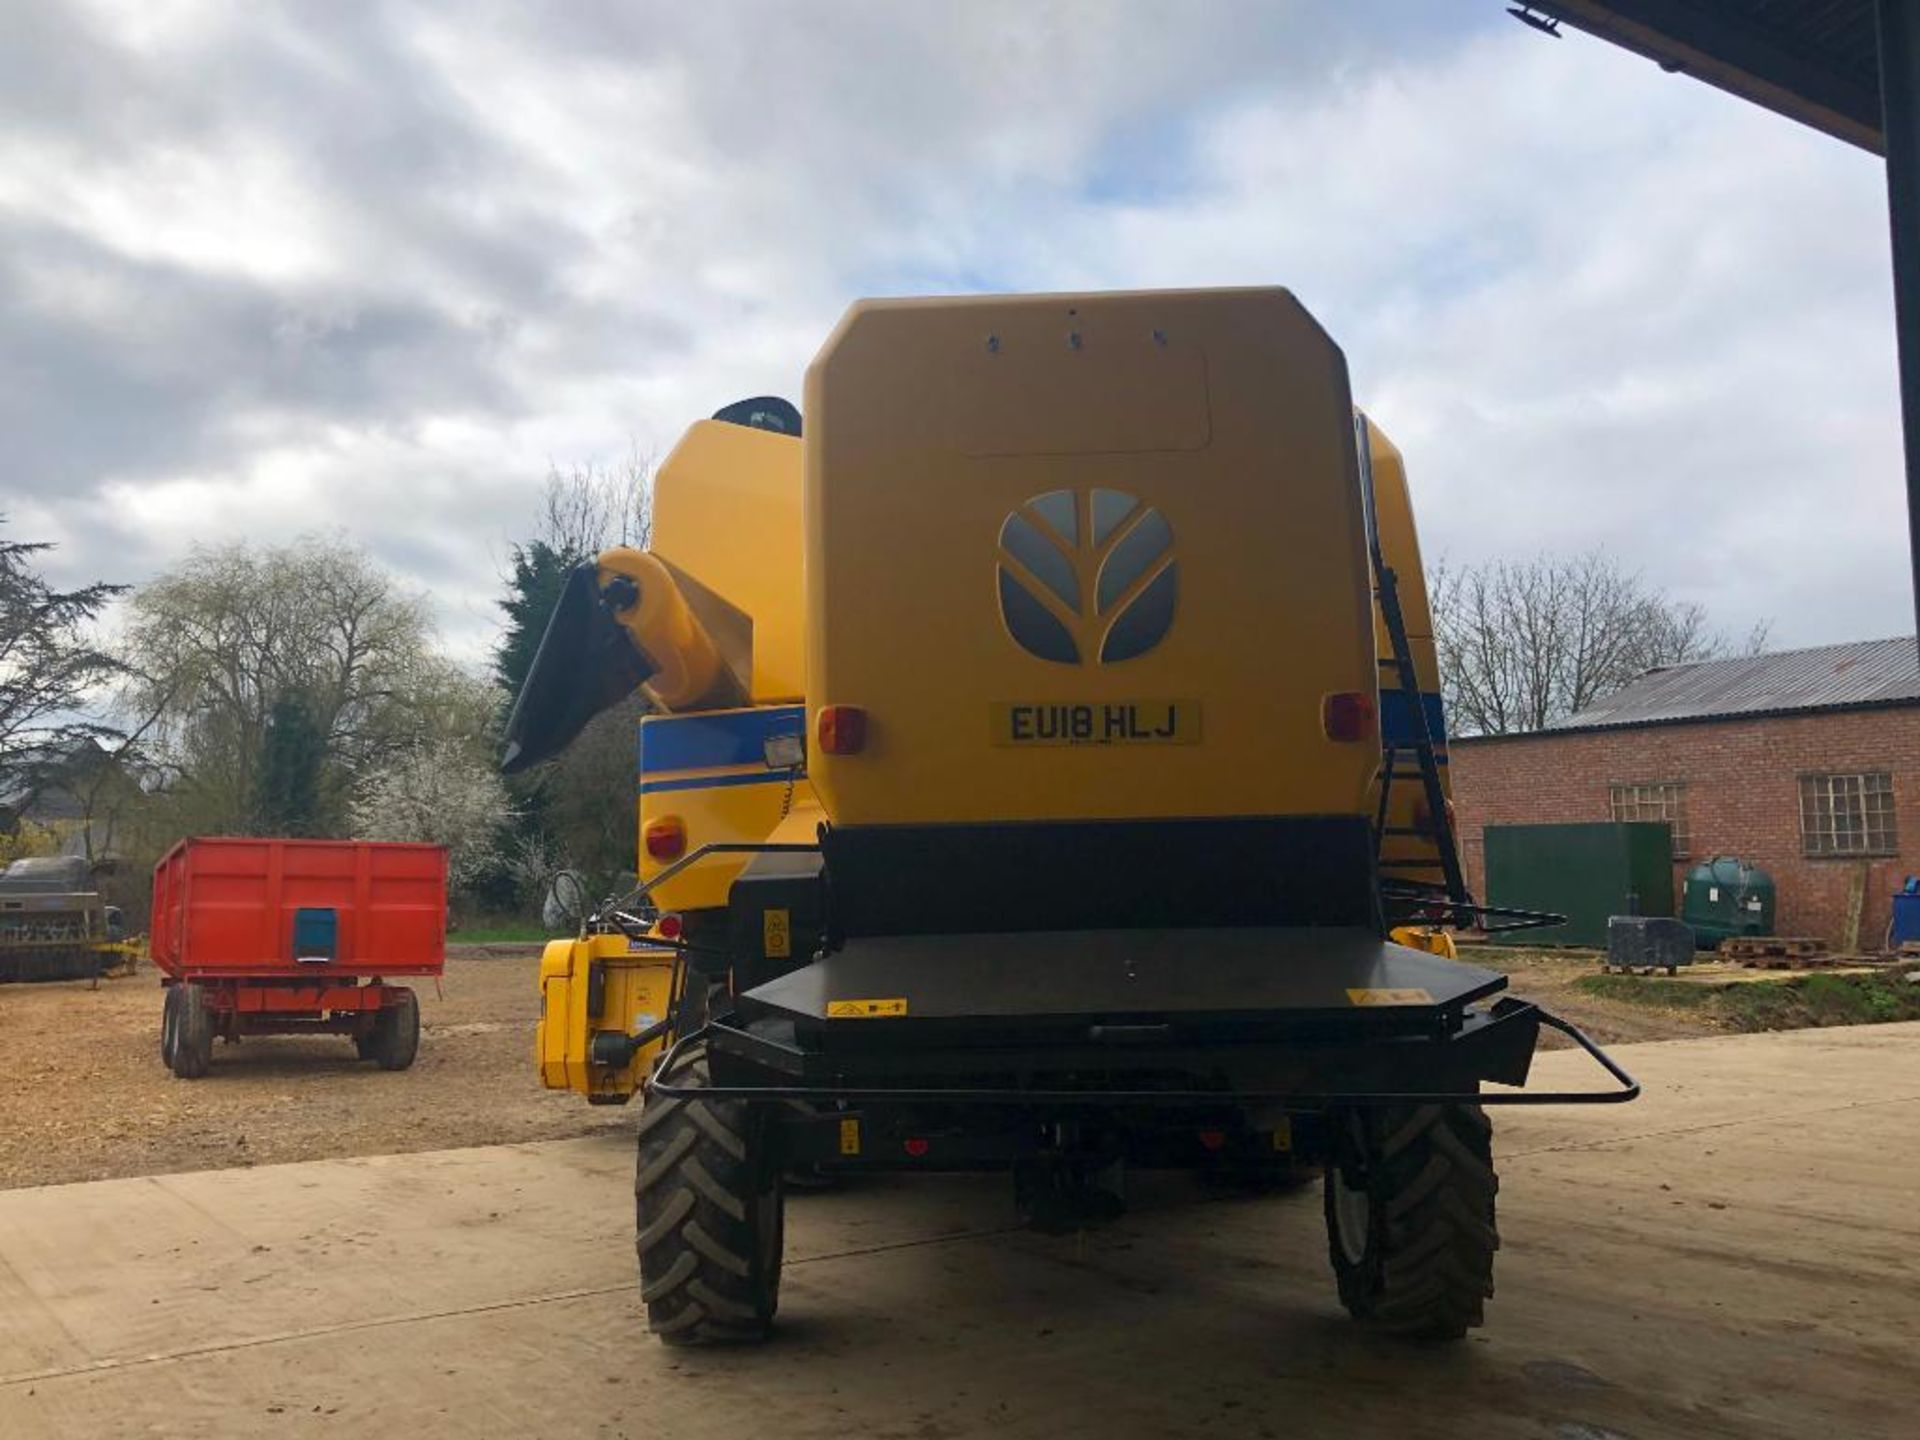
1805 763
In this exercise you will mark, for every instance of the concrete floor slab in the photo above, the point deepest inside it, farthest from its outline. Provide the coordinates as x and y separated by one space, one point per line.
1736 1255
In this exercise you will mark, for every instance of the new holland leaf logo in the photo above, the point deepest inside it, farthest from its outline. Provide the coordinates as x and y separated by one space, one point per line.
1086 576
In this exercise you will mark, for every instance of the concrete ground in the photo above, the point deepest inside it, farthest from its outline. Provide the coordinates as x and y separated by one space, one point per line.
1736 1255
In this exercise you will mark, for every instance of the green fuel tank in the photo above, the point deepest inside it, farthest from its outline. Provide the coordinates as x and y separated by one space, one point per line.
1725 897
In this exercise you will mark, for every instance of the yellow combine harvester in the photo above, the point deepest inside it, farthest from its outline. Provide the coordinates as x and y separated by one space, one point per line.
1049 742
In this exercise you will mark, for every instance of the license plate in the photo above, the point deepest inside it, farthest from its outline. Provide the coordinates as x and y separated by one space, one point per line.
1109 722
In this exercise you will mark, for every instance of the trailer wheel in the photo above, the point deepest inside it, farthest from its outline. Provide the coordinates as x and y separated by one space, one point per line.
1410 1217
169 1025
192 1032
708 1214
396 1031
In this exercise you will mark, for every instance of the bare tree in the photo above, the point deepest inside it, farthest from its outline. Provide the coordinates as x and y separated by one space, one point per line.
1525 643
591 507
261 663
108 780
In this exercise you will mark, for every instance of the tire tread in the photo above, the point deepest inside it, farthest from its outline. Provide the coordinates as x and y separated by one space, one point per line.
395 1038
1432 1185
703 1191
193 1032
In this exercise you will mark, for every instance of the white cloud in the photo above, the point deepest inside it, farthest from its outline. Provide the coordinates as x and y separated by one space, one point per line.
373 268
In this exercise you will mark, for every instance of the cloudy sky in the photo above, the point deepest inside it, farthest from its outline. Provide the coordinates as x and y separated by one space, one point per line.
374 267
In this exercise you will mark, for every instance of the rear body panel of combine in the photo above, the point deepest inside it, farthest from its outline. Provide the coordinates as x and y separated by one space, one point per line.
1027 516
1095 572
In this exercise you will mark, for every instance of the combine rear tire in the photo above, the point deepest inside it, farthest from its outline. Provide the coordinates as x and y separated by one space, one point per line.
1410 1223
395 1039
707 1203
192 1031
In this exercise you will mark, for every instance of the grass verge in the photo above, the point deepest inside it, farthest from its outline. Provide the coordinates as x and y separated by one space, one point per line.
1793 1002
499 932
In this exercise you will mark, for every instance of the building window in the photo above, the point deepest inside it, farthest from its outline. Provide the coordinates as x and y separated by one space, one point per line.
1847 814
1656 800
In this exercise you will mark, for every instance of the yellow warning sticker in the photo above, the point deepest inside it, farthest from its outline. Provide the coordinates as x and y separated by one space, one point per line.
865 1009
1283 1134
1389 997
776 934
849 1136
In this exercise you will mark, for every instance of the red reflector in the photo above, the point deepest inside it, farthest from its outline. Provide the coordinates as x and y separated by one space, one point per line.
665 838
916 1147
670 926
1212 1139
842 729
1347 715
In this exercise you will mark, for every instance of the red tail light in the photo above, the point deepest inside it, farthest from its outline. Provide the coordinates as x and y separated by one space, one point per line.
842 729
670 926
665 838
1347 715
916 1146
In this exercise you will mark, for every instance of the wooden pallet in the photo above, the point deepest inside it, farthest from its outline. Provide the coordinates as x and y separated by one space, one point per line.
1775 951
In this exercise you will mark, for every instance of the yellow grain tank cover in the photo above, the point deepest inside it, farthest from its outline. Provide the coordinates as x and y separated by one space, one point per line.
708 774
1405 856
1086 557
726 520
632 988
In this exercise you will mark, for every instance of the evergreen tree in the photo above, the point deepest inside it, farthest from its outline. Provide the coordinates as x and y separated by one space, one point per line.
287 796
539 573
49 667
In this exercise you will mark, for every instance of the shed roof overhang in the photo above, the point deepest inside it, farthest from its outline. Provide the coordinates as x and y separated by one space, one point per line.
1816 61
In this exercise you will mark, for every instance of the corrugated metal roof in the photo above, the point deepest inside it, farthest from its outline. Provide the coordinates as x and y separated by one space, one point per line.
1829 677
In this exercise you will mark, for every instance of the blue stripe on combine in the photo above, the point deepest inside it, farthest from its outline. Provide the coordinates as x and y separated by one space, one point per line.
701 742
1397 724
716 782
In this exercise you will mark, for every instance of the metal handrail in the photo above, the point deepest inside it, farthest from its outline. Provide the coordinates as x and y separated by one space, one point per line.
999 1095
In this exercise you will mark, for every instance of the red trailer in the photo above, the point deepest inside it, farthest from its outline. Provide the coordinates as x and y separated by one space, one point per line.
274 937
